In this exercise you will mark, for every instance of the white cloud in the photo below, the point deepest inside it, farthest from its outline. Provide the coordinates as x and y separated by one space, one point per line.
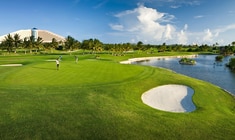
208 36
175 6
199 16
153 27
116 27
100 4
168 32
185 26
182 37
225 28
146 24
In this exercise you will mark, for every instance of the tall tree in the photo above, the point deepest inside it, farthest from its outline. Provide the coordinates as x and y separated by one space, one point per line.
38 43
93 45
25 44
233 43
84 45
71 43
139 46
97 47
162 48
17 41
228 50
29 43
90 44
231 63
53 44
9 43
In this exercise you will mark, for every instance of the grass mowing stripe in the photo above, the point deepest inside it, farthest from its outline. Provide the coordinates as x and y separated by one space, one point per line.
84 73
78 107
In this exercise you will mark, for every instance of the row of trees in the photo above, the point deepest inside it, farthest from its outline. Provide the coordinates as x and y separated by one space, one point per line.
12 43
30 44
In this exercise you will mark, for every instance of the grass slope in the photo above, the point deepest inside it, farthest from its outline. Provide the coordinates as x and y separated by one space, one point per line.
101 99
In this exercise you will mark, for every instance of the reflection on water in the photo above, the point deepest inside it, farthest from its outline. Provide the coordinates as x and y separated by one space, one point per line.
206 69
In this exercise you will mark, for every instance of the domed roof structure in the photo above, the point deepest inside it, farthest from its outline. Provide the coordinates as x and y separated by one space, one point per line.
46 36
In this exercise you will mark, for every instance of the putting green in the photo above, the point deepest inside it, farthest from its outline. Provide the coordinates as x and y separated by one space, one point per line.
85 73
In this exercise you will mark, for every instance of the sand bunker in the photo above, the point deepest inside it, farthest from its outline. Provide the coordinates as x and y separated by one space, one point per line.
11 65
172 98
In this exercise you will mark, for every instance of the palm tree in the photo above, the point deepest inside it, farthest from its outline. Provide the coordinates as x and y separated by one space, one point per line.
228 50
139 46
31 43
97 46
233 43
90 44
53 44
38 43
162 48
71 43
25 44
127 47
9 43
84 45
17 41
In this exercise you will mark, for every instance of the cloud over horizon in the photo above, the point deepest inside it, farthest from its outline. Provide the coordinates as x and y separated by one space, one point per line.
153 27
145 23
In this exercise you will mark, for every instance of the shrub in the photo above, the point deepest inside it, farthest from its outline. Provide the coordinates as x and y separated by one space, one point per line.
219 58
187 61
231 63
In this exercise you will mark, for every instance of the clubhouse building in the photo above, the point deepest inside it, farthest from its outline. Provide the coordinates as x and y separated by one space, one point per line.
46 36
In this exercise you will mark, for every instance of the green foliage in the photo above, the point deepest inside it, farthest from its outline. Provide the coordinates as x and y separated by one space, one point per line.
231 63
219 58
187 61
71 43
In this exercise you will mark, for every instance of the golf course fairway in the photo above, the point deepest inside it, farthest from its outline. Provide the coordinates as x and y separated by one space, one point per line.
101 99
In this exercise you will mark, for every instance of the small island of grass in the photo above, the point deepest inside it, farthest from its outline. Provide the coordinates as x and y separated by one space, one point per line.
187 61
219 58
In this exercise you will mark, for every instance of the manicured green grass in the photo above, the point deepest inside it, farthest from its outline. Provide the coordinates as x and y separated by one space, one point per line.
101 99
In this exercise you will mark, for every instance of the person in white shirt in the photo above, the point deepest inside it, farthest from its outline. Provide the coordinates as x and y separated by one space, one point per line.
57 64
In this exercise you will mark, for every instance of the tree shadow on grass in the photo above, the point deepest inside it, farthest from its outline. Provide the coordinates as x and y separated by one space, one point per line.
44 68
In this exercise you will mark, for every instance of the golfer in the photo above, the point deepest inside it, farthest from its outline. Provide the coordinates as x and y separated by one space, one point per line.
76 59
57 64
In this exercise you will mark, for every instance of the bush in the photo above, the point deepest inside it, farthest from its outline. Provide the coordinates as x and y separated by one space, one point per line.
231 63
187 61
219 58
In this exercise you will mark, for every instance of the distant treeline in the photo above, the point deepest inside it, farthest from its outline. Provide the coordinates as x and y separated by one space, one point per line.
13 43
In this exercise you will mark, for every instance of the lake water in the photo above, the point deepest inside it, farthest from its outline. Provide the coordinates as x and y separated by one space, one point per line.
206 69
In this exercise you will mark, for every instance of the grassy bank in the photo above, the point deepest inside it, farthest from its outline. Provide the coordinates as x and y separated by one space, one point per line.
101 99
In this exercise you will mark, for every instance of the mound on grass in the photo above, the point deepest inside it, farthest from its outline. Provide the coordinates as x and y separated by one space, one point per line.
102 100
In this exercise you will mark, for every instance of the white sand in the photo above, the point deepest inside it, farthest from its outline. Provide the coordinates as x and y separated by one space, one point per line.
172 98
131 60
11 65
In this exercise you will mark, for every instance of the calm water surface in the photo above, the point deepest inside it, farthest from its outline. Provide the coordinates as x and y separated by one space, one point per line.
206 69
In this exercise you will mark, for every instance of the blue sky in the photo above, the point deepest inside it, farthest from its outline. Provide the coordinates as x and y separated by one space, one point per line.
121 21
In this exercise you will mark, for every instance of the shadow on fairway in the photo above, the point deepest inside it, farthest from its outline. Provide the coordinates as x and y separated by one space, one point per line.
44 68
